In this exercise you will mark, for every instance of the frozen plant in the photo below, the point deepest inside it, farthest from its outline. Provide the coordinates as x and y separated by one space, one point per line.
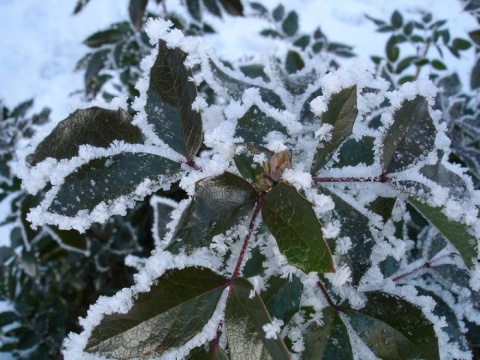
295 240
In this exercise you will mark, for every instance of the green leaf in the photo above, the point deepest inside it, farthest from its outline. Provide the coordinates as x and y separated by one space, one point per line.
455 232
278 13
302 42
397 20
136 10
193 7
106 179
292 221
219 203
410 137
408 28
329 341
173 311
235 88
93 126
393 328
461 44
475 36
377 22
290 24
405 63
255 125
244 320
70 240
391 49
354 225
250 170
438 65
354 152
100 38
341 114
8 317
282 297
475 75
294 62
233 7
212 7
383 206
169 102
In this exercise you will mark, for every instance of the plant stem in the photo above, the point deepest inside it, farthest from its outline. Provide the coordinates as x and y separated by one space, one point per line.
329 299
383 178
426 265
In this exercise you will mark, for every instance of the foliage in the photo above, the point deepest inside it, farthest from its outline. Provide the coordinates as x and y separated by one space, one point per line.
298 209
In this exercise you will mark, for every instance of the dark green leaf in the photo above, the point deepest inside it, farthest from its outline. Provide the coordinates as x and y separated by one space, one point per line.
438 65
254 71
71 240
233 7
455 232
427 18
461 44
106 179
93 126
259 8
136 10
271 33
213 7
294 62
220 202
405 79
475 36
377 22
290 24
410 137
193 7
175 309
394 328
169 102
20 111
255 125
6 253
245 317
80 5
354 152
302 41
7 318
278 13
355 226
417 38
282 297
385 28
235 88
329 341
475 75
392 50
100 38
396 20
405 63
250 170
341 114
383 207
292 221
408 28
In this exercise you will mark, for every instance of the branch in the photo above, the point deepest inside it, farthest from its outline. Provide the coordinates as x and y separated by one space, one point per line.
383 178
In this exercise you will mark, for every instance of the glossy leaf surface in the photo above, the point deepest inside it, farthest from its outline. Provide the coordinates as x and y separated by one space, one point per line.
393 328
411 136
245 317
220 202
106 179
93 126
169 102
255 125
291 219
455 232
175 309
341 114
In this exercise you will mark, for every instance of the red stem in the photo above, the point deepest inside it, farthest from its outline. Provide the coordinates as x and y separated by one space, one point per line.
383 178
329 299
426 265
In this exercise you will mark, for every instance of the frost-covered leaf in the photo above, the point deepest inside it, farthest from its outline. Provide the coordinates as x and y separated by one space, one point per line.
236 87
93 126
356 151
175 309
393 328
455 232
411 136
246 165
341 114
282 297
355 226
106 179
294 62
255 125
219 203
292 221
101 38
328 341
445 178
245 319
169 102
136 10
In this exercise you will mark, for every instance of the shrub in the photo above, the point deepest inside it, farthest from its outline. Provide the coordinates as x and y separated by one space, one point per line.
306 231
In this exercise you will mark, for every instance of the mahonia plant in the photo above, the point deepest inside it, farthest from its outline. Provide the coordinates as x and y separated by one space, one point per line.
295 240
